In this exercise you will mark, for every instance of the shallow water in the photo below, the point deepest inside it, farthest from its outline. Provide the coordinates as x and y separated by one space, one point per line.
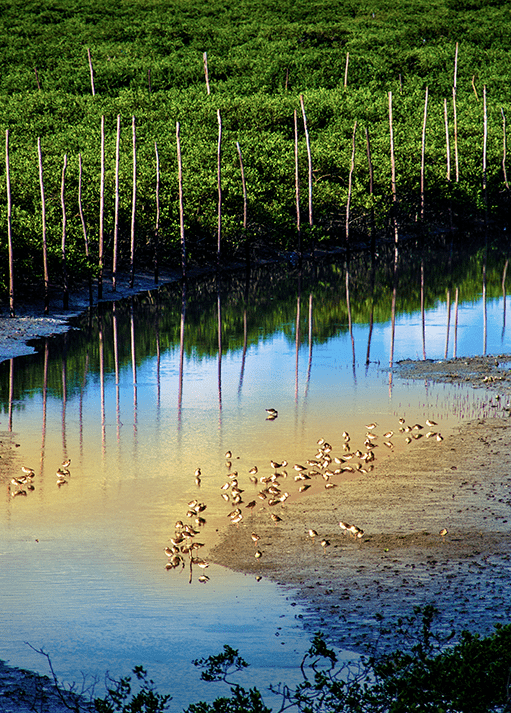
139 398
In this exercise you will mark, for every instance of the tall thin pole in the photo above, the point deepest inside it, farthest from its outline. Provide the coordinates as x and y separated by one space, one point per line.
101 210
181 211
297 187
64 227
423 153
43 218
371 186
91 72
447 143
157 222
133 204
504 150
84 227
243 186
9 226
346 69
219 183
393 174
485 142
206 74
455 115
116 204
309 157
350 183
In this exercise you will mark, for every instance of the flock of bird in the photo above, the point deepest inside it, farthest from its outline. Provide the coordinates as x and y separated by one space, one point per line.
23 484
280 481
183 546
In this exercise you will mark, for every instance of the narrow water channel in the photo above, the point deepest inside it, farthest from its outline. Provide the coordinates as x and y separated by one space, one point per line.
144 392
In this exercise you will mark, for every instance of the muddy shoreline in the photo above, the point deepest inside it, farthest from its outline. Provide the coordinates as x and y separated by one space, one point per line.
462 484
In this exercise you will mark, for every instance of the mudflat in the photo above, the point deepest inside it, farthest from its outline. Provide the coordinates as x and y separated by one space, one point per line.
436 521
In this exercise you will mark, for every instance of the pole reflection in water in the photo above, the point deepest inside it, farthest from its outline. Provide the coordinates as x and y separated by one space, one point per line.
44 400
309 362
393 316
101 538
115 338
348 307
423 313
181 356
134 367
11 390
297 333
158 359
456 296
102 383
448 325
485 310
245 329
504 273
219 329
64 400
371 315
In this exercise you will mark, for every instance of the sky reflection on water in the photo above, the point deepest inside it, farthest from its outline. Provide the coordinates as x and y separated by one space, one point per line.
82 566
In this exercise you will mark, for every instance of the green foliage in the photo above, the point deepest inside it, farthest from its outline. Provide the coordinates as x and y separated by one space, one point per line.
148 63
120 699
217 667
422 675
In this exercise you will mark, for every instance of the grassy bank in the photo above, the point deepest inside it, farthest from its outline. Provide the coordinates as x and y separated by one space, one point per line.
351 62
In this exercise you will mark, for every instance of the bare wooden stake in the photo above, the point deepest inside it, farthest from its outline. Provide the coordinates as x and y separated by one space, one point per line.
82 219
64 229
350 183
455 78
133 204
297 187
309 159
485 143
206 74
454 83
80 208
101 210
447 142
504 149
219 185
392 157
243 185
116 204
244 188
474 87
43 220
423 154
346 69
37 79
9 227
157 222
393 174
371 188
181 211
91 70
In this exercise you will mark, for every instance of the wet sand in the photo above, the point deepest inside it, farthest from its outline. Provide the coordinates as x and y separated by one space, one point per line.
462 484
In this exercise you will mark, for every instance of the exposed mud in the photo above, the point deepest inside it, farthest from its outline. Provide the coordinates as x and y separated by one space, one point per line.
462 484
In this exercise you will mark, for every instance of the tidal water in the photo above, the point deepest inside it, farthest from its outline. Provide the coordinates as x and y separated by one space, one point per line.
143 392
